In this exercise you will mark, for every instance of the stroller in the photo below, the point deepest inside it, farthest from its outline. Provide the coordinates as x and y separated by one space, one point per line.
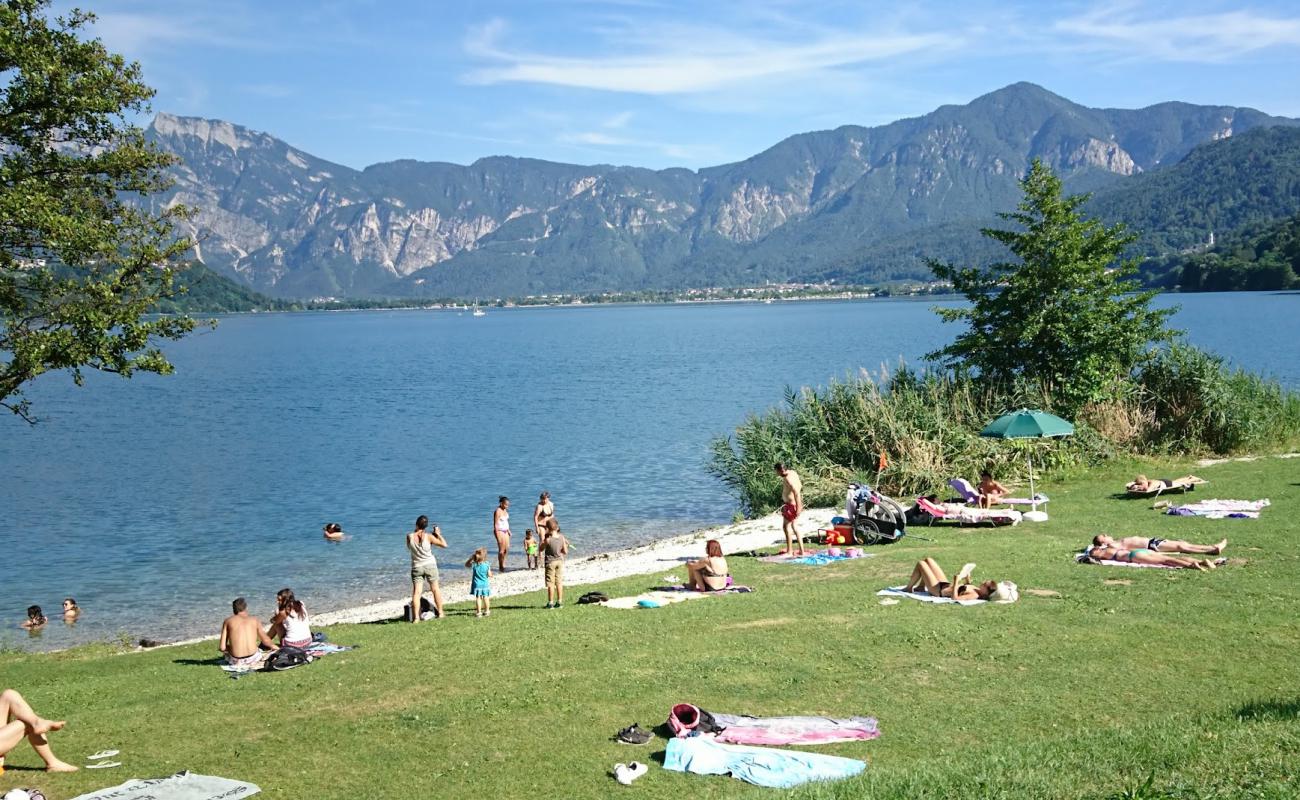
876 519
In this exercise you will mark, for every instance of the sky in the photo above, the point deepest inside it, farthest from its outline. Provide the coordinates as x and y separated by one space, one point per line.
659 83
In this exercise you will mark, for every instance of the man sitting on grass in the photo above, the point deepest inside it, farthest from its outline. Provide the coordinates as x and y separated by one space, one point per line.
240 637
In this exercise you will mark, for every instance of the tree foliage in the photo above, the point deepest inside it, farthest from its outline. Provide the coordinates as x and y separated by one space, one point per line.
79 266
1064 315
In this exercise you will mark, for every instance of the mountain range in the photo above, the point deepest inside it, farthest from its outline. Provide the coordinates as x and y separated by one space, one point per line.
854 204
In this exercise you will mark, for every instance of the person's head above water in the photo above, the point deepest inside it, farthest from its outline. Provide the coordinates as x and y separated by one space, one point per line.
35 614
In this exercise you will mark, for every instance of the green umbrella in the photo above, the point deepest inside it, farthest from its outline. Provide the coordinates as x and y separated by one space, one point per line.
1027 424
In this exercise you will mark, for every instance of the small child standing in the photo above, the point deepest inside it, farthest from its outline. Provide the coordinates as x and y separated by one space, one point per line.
480 572
531 550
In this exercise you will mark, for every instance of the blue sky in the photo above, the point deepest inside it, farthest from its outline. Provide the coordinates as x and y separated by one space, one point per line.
661 84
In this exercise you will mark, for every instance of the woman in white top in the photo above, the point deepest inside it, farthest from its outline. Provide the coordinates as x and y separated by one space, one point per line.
501 529
290 622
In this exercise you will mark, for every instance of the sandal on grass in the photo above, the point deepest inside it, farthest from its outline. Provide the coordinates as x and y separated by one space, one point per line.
102 754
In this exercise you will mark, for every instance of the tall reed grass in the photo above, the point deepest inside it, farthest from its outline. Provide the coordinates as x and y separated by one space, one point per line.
927 424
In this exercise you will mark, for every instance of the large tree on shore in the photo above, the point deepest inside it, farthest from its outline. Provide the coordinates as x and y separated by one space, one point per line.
79 265
1066 315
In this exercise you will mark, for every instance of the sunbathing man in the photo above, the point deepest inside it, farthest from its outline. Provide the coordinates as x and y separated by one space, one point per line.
240 637
1145 555
991 492
1159 545
928 576
18 720
1142 484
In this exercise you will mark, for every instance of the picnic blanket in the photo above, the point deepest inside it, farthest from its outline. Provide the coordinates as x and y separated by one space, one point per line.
744 729
665 595
315 650
814 560
761 766
181 786
1220 509
897 591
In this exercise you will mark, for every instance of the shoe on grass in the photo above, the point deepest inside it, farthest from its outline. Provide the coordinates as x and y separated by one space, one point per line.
626 773
633 734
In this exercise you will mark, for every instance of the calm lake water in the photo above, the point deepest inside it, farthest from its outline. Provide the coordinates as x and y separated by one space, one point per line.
155 501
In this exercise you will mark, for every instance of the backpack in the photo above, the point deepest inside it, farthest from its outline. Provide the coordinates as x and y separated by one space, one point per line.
592 597
687 720
288 658
425 607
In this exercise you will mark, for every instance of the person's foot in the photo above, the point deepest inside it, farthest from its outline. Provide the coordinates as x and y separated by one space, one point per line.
44 726
550 605
1218 548
1201 565
60 766
487 613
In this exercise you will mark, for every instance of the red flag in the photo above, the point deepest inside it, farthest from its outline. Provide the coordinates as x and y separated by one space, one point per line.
884 462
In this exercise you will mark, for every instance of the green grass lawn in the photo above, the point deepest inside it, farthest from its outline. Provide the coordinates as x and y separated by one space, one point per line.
1119 683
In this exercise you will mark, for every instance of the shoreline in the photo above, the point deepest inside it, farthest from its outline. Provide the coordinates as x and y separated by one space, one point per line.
662 557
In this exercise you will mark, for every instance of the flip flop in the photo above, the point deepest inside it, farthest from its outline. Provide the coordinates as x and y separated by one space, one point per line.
104 765
102 754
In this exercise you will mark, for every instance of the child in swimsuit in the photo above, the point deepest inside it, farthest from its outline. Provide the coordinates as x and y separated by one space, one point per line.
531 550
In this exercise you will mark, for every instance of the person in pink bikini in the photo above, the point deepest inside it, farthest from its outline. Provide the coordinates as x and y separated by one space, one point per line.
501 530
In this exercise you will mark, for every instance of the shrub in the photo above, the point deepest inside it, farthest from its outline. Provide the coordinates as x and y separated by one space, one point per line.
1198 404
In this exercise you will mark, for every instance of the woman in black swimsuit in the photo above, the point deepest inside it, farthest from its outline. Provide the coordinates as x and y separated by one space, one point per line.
929 577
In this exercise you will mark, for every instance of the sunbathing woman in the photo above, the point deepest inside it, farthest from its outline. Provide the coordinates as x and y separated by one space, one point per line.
1145 555
708 574
1159 545
928 576
1142 484
18 720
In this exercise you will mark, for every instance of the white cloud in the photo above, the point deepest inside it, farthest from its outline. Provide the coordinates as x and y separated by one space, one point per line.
1209 38
688 59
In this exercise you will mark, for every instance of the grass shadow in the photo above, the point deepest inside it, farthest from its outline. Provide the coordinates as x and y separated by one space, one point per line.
1269 710
199 662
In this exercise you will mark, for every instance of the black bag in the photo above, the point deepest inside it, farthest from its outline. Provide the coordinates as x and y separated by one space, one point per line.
592 597
426 606
288 658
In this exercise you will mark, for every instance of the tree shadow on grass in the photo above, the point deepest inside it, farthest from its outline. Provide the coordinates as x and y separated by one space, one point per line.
1270 710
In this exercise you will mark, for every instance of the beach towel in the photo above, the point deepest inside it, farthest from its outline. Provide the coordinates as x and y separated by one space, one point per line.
1220 509
664 595
963 514
897 591
315 650
761 766
1084 558
742 729
181 786
814 560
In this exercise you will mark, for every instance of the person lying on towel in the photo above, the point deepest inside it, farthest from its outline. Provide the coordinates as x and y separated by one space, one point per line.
1143 484
1143 555
1159 545
928 577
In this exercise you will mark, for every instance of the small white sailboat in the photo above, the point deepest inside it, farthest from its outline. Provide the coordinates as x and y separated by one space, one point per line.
478 312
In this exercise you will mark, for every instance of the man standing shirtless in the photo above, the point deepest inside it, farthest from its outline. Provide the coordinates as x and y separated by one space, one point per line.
240 637
792 498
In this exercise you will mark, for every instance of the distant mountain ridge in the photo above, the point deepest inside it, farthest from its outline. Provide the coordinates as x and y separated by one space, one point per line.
852 203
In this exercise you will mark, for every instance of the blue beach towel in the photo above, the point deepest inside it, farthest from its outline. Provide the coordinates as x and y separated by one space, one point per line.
761 766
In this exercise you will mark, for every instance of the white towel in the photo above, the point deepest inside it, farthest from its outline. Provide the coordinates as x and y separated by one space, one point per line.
897 591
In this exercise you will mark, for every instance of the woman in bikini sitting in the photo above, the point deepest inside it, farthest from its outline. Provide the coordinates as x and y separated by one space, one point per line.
1113 551
708 574
928 576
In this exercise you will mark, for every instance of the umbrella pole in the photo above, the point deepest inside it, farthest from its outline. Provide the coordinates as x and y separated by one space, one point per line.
1033 497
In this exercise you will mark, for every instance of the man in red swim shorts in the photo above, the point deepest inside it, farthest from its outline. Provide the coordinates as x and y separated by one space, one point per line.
792 494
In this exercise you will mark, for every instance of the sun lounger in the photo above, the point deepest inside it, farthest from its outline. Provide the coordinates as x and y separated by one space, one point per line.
968 493
928 512
1180 485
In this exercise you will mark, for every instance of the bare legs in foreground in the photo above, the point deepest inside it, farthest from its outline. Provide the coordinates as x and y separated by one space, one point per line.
19 721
